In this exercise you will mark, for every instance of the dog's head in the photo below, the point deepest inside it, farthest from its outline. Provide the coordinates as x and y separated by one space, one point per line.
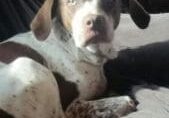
91 22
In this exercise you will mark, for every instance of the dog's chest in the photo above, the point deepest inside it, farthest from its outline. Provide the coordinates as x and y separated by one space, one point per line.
88 78
60 58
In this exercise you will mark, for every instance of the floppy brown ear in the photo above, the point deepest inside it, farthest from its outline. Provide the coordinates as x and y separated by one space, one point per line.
41 24
139 15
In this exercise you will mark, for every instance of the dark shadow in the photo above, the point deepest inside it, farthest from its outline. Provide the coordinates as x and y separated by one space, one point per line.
15 16
151 6
155 6
4 114
68 90
147 64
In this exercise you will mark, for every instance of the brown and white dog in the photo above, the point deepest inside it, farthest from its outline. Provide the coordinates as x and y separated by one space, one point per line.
72 38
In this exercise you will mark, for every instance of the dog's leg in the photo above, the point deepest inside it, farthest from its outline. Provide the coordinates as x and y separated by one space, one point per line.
104 108
29 90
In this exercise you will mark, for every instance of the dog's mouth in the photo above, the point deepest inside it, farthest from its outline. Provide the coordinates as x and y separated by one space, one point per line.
96 43
94 37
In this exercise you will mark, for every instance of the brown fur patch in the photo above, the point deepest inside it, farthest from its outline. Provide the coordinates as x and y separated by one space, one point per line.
68 90
9 51
67 13
41 24
4 114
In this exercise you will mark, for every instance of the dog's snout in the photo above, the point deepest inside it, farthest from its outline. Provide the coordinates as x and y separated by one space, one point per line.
95 30
94 21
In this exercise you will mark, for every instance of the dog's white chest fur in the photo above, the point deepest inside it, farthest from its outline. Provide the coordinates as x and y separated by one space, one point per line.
88 77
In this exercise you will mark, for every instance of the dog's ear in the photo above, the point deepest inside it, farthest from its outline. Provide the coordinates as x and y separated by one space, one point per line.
42 22
139 15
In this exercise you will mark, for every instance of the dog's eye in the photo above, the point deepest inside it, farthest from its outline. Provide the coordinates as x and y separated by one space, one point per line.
71 2
108 4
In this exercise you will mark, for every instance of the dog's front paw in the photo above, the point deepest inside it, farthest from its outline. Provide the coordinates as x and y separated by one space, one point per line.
114 107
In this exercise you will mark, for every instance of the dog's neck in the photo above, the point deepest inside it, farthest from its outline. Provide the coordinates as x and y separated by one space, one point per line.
66 40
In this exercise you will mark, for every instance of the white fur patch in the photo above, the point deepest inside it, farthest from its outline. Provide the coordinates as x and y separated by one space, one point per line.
29 90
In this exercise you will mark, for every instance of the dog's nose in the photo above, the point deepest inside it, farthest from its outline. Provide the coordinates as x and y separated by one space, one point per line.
94 22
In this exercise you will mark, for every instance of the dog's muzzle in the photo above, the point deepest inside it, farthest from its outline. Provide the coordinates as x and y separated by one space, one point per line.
94 29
